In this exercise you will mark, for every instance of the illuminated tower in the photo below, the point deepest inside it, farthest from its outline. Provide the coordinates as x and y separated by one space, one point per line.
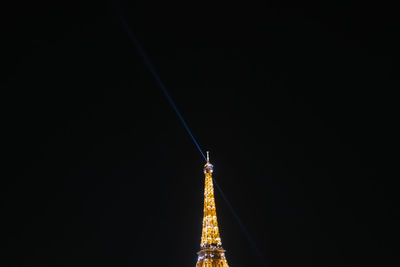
211 253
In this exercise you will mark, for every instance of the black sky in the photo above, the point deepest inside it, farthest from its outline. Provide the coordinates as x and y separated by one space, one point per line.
297 106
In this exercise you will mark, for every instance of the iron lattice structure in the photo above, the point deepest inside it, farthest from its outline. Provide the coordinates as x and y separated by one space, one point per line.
211 253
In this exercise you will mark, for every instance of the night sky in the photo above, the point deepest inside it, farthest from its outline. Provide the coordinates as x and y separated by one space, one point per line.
296 105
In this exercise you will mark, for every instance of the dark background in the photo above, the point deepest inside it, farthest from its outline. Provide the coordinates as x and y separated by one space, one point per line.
297 106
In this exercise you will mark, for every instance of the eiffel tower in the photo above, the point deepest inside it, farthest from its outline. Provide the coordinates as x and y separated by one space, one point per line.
211 253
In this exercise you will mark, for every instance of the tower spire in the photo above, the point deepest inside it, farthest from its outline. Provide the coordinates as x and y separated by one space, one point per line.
211 253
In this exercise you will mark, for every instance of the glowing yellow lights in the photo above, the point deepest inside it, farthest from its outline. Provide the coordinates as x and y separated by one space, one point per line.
211 253
210 235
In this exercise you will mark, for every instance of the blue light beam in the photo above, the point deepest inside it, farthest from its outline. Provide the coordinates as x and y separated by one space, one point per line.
151 68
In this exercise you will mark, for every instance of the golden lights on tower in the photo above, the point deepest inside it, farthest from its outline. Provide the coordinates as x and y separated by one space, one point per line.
211 253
